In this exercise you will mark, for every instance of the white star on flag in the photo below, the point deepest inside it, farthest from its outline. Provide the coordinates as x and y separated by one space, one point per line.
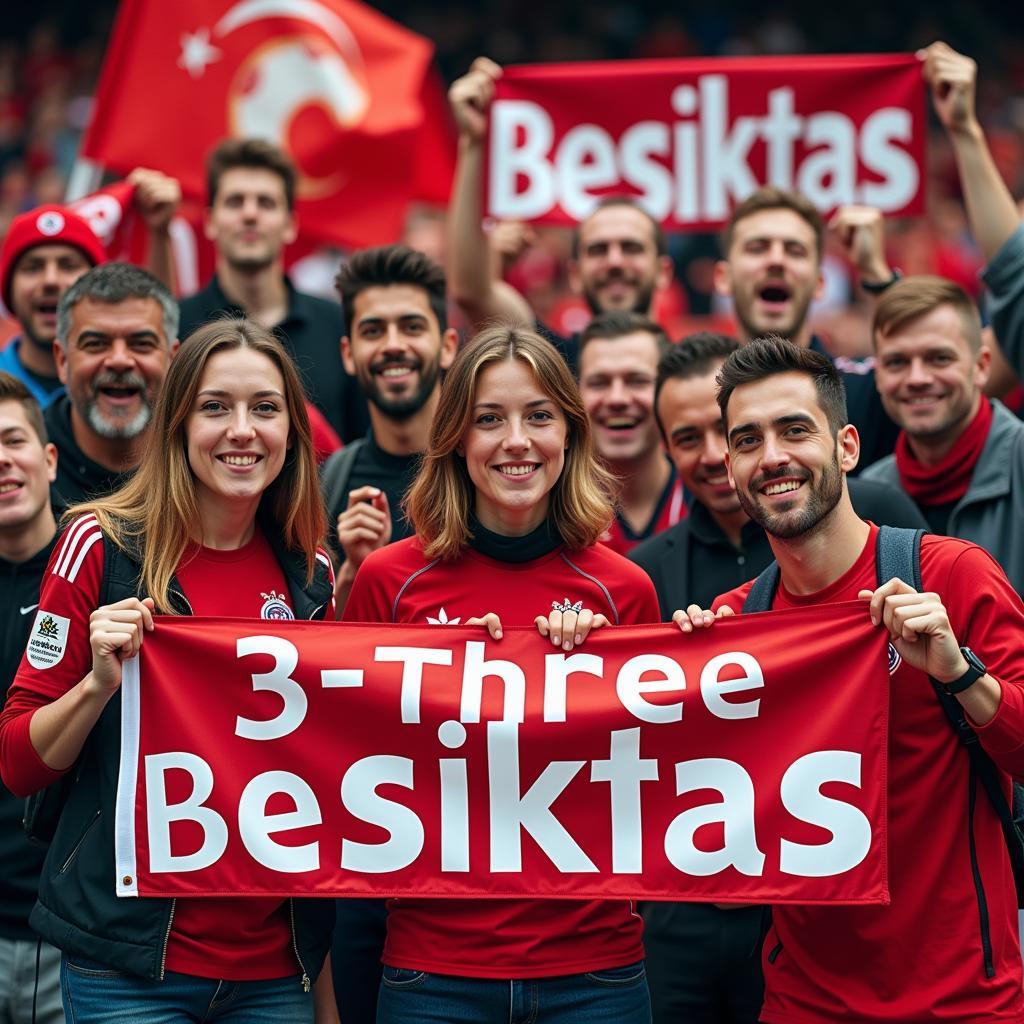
443 620
196 52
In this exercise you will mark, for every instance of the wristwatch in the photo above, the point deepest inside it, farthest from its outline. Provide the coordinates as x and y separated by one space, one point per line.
975 670
877 287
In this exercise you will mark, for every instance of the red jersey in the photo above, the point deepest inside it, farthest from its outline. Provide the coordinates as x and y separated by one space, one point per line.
504 938
919 959
233 939
671 507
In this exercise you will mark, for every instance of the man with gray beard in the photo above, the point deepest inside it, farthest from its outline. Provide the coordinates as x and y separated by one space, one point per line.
117 329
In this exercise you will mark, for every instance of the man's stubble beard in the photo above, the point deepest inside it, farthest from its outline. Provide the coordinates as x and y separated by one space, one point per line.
820 504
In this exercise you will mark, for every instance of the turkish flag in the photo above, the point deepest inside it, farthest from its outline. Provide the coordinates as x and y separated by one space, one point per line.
350 94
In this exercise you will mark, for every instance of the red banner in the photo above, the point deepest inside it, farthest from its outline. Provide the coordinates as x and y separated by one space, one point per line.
692 138
348 92
747 762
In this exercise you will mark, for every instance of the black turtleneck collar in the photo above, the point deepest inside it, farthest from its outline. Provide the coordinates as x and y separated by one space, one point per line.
535 544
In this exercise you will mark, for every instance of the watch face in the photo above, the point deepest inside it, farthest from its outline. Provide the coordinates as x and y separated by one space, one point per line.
973 660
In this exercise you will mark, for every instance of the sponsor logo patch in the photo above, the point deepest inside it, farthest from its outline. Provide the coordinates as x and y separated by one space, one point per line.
275 606
50 223
443 620
48 640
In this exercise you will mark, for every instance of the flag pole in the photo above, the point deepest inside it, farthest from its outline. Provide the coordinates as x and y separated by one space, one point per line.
86 176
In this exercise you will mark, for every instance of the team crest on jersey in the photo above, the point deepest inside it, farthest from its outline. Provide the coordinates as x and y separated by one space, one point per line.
48 640
443 620
567 606
275 607
895 660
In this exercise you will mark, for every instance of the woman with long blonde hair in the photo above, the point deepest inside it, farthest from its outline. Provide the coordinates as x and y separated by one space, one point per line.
507 510
223 517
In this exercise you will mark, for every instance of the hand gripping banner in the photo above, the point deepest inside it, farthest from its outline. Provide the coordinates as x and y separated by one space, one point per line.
693 138
743 762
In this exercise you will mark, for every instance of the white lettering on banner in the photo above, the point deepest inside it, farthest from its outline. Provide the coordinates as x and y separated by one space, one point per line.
697 168
278 680
256 826
802 797
160 813
513 812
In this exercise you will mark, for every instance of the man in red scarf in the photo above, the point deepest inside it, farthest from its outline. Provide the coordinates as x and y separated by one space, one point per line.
959 455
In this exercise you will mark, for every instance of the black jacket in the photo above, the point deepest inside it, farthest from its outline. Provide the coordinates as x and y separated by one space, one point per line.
22 862
667 557
77 909
78 477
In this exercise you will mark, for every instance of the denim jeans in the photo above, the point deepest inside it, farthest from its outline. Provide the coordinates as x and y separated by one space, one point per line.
616 995
96 993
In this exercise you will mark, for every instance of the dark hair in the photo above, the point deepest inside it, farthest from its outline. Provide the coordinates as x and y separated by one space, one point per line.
115 282
620 322
694 356
660 242
765 357
387 265
13 390
259 153
769 197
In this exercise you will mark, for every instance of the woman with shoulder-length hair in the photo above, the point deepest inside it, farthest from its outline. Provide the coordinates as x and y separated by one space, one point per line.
508 508
223 517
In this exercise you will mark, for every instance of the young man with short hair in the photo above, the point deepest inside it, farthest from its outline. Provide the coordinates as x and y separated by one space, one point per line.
946 948
116 334
773 246
250 219
618 364
959 455
27 533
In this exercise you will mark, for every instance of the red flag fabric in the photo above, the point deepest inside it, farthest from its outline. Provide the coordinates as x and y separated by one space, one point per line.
692 138
338 85
745 762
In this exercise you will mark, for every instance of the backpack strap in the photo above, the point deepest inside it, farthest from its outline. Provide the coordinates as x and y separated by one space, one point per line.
898 554
762 593
335 475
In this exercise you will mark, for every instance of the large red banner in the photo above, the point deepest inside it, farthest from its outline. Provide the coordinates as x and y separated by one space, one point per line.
349 93
692 138
746 762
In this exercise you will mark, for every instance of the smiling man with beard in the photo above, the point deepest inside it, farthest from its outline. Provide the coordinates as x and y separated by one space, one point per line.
773 246
117 329
398 342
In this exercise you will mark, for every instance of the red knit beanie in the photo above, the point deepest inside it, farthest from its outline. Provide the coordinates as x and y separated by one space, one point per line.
46 225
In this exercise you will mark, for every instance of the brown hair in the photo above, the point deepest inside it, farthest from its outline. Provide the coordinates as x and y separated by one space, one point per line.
158 505
914 297
657 231
259 153
617 323
765 357
769 197
440 500
13 390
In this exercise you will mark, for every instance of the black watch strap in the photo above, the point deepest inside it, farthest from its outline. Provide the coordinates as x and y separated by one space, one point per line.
877 287
975 670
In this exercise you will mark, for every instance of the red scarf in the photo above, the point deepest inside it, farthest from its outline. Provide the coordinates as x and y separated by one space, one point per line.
947 481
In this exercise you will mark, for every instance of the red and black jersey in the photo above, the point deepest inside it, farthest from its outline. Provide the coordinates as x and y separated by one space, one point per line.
671 508
212 938
504 938
921 958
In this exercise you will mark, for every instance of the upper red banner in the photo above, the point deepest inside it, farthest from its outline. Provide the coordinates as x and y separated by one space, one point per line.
747 762
692 138
348 92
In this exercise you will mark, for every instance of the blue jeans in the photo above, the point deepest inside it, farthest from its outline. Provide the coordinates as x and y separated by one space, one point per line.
616 995
96 993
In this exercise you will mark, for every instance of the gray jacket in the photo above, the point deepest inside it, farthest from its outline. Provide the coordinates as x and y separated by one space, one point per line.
991 513
1004 278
